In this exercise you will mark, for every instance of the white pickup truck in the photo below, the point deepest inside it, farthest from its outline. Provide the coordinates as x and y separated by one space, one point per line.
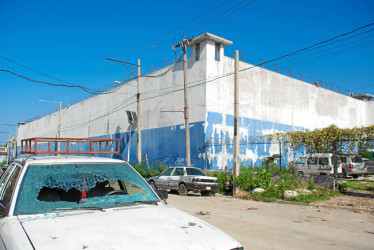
85 202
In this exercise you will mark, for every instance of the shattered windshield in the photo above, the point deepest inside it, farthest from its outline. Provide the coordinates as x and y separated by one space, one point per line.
57 187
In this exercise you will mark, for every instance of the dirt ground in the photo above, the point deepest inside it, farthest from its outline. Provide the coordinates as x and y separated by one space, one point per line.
260 225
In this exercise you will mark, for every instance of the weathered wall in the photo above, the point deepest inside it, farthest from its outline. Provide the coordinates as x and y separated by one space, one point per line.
369 110
163 137
269 102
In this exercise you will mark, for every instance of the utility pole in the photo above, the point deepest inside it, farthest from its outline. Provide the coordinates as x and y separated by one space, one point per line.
236 122
184 44
138 124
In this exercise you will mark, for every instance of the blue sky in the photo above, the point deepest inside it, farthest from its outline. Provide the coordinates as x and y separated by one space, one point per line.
69 40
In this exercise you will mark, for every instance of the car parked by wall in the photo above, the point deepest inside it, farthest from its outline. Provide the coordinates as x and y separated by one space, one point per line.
353 165
369 166
185 179
317 164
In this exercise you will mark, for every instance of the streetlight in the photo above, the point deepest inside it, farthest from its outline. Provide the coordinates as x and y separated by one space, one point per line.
13 125
59 122
8 146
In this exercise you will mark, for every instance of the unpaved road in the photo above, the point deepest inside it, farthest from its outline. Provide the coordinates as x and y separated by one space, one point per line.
260 225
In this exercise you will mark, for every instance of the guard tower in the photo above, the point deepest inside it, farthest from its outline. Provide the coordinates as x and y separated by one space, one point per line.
208 47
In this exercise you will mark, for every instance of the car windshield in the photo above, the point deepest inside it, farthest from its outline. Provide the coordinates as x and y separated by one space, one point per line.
194 171
49 188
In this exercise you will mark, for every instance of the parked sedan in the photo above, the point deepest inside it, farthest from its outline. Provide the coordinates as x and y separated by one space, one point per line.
185 179
369 166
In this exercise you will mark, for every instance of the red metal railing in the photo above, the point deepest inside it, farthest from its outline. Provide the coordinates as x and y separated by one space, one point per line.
30 146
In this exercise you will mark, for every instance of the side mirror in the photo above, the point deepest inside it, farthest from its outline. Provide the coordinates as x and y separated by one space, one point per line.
162 193
2 209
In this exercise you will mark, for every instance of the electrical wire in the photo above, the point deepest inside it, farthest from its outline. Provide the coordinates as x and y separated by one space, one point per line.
177 28
216 18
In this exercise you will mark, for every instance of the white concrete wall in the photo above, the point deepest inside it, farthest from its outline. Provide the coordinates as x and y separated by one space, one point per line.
269 102
269 96
369 110
102 114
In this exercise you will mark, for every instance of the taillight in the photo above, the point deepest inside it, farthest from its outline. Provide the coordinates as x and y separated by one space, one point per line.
351 166
217 181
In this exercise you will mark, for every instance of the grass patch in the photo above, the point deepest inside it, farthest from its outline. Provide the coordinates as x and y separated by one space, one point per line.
267 196
356 186
276 194
321 195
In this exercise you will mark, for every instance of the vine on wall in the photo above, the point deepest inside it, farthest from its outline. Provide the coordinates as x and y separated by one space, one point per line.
328 140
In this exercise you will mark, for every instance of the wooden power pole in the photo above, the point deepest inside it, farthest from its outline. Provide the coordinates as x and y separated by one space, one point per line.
236 122
184 45
138 124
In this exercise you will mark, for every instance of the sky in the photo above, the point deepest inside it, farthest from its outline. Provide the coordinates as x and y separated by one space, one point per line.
66 42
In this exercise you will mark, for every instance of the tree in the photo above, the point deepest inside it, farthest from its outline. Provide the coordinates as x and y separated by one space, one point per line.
328 140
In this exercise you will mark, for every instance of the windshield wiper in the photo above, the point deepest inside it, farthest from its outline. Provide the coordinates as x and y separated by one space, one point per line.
79 208
136 202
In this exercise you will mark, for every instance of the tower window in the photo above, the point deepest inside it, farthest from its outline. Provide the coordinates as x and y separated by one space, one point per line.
197 52
217 54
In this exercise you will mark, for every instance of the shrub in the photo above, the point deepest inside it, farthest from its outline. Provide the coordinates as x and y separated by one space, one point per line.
225 180
251 177
149 170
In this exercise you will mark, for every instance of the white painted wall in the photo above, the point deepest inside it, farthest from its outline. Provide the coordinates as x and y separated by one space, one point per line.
369 110
102 114
269 96
264 95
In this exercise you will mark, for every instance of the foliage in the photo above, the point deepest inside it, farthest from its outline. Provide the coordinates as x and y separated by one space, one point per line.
149 170
331 139
225 180
276 182
368 155
251 177
322 194
356 186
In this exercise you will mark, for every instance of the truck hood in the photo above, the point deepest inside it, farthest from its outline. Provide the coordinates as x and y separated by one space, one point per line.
136 227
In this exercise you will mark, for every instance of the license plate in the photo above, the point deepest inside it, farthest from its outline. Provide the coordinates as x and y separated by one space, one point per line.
208 188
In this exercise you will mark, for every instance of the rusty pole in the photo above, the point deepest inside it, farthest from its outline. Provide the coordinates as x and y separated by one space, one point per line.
262 62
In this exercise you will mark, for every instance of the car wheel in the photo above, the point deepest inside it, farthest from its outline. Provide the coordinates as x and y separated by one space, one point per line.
182 189
205 193
153 185
301 173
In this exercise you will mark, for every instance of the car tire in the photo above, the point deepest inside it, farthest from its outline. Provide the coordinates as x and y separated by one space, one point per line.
153 185
182 189
205 193
300 173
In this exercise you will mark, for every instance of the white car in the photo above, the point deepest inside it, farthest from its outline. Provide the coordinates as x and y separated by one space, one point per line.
75 202
317 164
185 179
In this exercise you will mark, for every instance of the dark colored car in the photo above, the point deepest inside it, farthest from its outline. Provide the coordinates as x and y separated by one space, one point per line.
185 179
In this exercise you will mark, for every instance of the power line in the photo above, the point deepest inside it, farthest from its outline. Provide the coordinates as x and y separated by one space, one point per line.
177 28
233 9
33 69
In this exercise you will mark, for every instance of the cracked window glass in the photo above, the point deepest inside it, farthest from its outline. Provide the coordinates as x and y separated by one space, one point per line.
49 188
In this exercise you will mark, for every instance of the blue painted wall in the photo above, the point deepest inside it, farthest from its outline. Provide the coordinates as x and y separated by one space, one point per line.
166 145
254 127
